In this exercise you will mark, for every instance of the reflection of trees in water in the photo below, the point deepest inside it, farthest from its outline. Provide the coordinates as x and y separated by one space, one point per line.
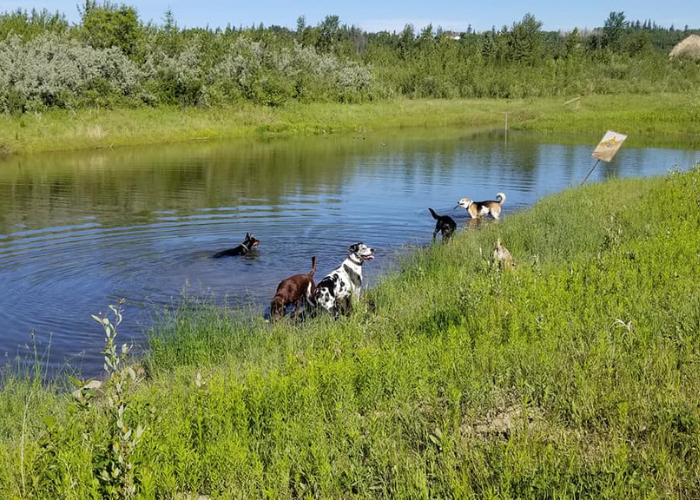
112 185
116 185
127 186
609 170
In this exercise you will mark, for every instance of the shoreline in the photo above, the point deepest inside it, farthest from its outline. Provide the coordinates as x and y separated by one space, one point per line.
671 115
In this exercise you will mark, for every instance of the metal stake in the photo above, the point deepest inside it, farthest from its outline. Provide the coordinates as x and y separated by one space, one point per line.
589 173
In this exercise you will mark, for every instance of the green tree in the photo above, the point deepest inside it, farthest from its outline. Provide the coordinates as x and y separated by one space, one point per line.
169 37
525 41
407 40
426 37
328 34
572 45
29 25
638 43
613 31
109 25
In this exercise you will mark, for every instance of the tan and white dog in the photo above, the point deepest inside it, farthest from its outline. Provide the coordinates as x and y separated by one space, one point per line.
477 209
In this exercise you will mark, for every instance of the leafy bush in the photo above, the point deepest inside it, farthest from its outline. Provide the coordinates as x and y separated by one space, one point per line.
175 80
53 70
252 70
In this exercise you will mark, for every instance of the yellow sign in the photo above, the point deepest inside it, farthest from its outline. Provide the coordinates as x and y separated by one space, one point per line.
607 147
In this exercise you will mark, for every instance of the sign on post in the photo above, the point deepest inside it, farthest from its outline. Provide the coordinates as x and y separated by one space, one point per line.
606 149
608 146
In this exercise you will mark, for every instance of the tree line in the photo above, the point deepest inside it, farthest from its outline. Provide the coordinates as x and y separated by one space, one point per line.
113 59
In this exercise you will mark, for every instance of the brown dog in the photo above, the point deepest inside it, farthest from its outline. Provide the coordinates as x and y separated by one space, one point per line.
294 290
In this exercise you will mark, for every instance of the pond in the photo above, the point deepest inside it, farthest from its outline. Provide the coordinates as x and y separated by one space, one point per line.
78 231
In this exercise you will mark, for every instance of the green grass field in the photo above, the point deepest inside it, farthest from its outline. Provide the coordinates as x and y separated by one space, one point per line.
574 375
670 114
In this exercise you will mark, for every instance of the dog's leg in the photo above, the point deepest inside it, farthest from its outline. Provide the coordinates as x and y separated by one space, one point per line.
345 305
310 296
309 303
356 293
337 308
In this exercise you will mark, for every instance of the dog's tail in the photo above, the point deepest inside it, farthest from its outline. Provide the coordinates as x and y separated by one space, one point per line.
435 216
501 198
313 267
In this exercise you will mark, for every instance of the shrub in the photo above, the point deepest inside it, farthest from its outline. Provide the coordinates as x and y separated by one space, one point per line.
52 70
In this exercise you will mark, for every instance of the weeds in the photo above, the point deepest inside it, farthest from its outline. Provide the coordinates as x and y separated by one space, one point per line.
116 465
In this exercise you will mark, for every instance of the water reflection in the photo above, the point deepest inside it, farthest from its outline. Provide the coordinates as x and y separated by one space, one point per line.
80 230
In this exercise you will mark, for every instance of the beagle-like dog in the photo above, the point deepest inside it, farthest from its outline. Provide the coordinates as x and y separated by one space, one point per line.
477 209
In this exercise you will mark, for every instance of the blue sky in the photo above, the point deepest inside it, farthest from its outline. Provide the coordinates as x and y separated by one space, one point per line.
392 15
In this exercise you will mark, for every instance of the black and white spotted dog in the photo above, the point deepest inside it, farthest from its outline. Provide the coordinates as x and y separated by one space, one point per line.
335 292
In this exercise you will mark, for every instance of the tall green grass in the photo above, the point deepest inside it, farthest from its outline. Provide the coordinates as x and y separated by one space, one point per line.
573 375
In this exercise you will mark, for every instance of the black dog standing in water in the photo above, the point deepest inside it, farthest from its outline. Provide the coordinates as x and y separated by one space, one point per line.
248 244
444 224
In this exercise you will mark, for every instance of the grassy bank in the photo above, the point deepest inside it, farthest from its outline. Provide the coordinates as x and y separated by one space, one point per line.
674 114
573 375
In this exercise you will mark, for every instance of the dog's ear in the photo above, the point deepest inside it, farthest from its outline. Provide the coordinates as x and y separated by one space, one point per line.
354 248
247 236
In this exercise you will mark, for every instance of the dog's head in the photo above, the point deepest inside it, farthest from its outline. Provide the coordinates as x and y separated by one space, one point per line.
362 251
464 203
250 241
277 308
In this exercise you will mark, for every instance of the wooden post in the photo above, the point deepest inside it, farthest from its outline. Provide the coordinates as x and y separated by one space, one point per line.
572 100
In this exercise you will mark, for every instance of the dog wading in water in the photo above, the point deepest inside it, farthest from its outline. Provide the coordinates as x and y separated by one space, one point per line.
443 224
335 291
477 209
246 246
295 290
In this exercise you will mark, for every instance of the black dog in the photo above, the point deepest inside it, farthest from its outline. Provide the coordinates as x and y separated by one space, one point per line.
445 225
248 244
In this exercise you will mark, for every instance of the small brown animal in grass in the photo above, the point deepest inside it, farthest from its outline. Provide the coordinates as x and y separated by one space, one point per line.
502 257
294 290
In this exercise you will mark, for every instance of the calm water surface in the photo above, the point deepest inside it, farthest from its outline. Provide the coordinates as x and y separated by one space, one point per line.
79 231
